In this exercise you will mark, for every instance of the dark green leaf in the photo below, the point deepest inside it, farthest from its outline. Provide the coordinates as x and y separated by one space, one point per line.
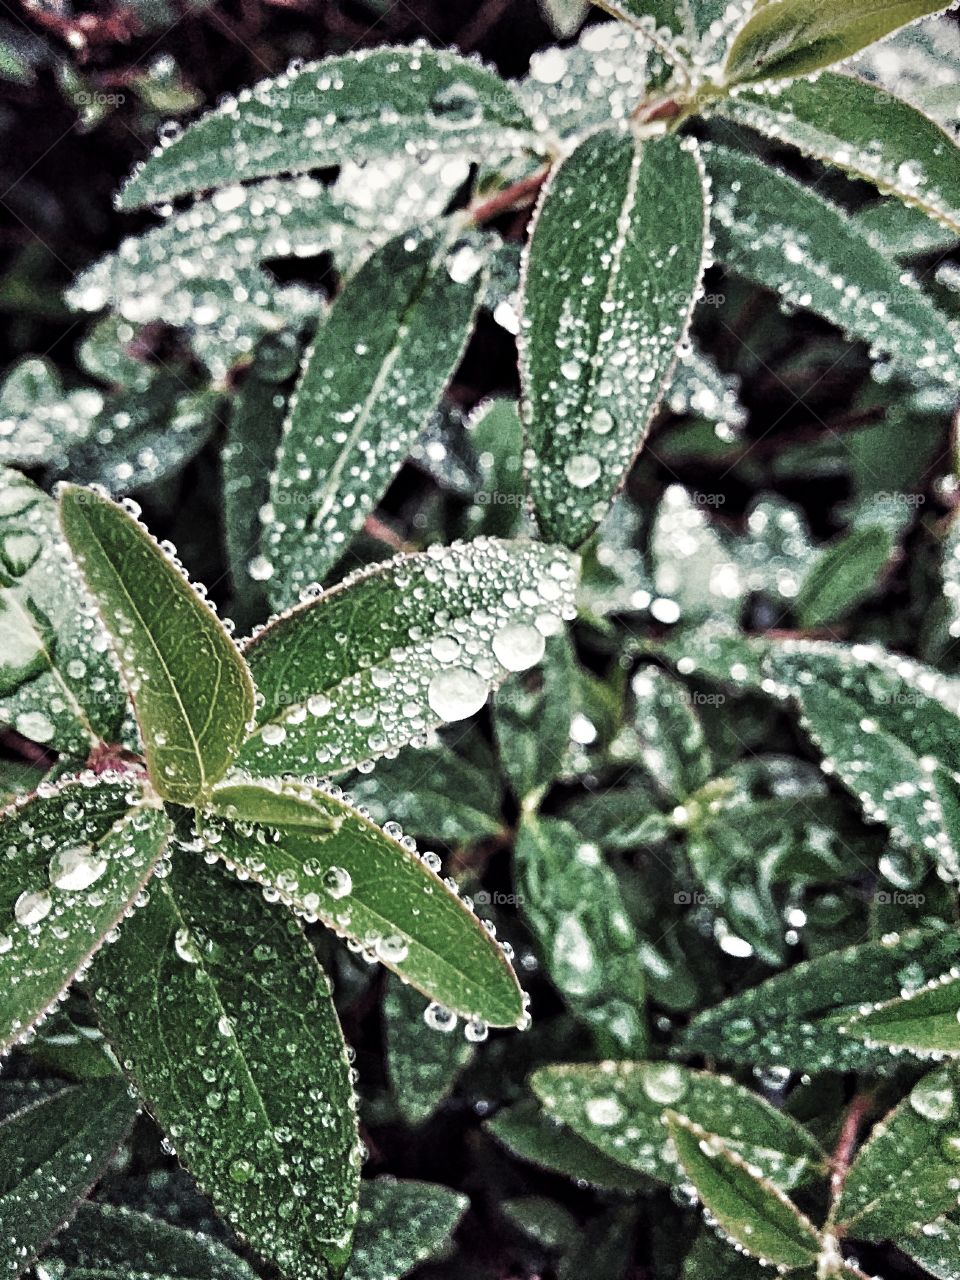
77 857
51 1154
422 1064
905 1175
937 1248
371 381
216 1006
399 648
58 684
318 853
528 1133
794 1019
601 327
363 106
787 238
750 1210
109 1243
190 688
923 1021
847 122
786 38
533 724
903 231
845 574
402 1224
618 1107
571 901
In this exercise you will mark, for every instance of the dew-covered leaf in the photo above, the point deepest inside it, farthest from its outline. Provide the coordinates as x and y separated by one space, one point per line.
52 1153
533 724
363 106
397 649
842 120
905 1175
618 1107
401 1225
106 1242
531 1135
903 231
190 688
846 573
671 742
371 379
76 858
924 1021
323 857
215 1004
435 791
936 1248
790 38
58 684
601 327
748 1208
787 238
700 388
571 900
422 1063
565 16
794 1018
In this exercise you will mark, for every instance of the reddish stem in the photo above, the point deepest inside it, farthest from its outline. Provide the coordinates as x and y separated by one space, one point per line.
847 1143
518 193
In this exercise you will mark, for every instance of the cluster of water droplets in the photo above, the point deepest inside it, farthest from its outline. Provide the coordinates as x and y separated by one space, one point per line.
465 616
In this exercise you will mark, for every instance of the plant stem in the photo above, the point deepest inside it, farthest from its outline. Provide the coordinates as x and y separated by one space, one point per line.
842 1157
518 193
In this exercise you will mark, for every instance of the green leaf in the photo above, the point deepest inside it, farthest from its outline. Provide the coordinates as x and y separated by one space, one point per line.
370 382
924 1021
190 688
531 1135
794 1018
601 327
845 574
749 1209
364 106
399 648
786 38
51 1154
571 900
327 860
903 231
785 237
618 1107
533 724
260 1107
58 683
435 792
401 1225
847 122
905 1175
936 1248
77 857
565 16
671 742
496 435
110 1243
422 1065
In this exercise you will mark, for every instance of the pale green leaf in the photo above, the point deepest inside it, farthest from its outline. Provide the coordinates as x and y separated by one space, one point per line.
51 1154
670 737
399 648
401 1225
217 1008
58 683
849 123
787 238
618 1107
496 435
565 16
105 1242
748 1208
526 1131
572 902
190 688
794 1018
903 231
422 1063
602 324
323 857
786 38
371 380
845 574
905 1175
78 856
363 106
923 1021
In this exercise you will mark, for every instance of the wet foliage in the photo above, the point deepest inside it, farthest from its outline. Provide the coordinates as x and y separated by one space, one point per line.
479 596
